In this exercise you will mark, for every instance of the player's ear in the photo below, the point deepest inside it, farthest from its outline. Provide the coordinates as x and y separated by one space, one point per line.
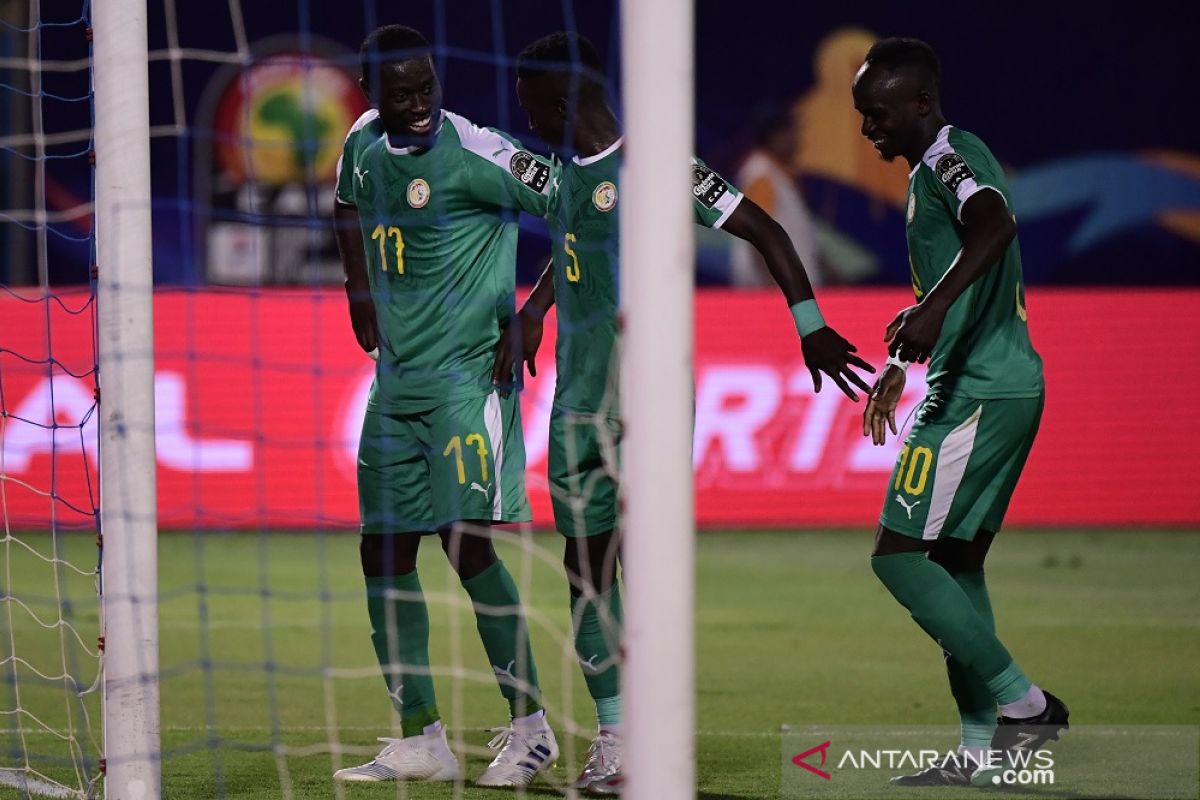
924 103
561 105
366 90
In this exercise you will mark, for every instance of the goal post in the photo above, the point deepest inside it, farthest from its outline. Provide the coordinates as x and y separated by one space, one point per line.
657 268
125 340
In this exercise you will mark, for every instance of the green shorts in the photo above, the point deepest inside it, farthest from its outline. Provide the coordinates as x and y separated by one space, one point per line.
584 466
959 466
459 461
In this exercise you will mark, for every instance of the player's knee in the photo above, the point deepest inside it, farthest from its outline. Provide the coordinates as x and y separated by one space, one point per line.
958 555
591 562
385 555
469 549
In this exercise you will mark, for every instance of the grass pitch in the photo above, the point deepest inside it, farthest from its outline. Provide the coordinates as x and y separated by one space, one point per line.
269 680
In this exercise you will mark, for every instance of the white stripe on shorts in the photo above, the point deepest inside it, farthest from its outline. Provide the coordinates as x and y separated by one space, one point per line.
951 466
493 418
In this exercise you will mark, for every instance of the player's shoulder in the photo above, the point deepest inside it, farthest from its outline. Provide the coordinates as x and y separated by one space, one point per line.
368 124
957 154
488 143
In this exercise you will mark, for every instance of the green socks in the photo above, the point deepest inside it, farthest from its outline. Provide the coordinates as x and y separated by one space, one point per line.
976 706
597 624
945 611
501 624
400 633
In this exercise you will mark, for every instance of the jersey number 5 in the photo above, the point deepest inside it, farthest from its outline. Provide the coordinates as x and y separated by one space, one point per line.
382 235
573 274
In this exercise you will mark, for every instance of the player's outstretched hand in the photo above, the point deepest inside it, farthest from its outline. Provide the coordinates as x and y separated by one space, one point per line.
519 342
362 318
912 335
881 404
826 351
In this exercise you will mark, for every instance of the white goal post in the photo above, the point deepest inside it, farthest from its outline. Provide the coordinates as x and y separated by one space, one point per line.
125 338
657 280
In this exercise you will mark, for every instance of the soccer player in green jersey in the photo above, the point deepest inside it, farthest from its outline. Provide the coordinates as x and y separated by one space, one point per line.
560 84
426 224
956 472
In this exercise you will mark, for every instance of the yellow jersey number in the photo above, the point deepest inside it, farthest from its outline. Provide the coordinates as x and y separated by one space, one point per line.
918 463
455 448
382 234
573 273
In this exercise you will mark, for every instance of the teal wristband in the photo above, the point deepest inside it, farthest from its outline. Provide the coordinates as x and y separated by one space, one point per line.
808 317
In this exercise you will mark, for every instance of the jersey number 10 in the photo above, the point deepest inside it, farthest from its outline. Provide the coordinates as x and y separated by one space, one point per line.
382 235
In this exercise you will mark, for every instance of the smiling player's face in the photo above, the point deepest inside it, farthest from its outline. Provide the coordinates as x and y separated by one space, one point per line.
891 108
409 98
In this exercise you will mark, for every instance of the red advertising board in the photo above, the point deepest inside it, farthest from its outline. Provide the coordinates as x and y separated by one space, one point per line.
260 396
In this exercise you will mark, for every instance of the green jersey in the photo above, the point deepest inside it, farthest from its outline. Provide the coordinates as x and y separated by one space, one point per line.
984 349
440 233
584 231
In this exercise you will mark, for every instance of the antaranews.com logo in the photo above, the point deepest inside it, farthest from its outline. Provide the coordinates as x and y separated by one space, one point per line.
995 767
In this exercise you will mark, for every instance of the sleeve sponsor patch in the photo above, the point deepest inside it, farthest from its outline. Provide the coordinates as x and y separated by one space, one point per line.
529 171
952 170
707 186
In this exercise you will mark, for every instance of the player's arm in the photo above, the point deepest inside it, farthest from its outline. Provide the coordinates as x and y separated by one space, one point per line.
523 335
354 265
501 173
824 349
988 229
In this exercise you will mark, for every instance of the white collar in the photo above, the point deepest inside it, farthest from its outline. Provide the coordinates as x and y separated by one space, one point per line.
412 148
608 151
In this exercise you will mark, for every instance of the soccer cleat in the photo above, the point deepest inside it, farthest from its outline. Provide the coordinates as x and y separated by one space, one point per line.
607 787
1027 735
603 761
524 752
951 771
1031 733
427 757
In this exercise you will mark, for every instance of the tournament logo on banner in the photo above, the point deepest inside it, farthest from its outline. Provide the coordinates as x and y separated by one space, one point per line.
278 126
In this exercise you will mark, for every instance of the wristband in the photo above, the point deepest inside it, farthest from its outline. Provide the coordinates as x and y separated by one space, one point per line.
807 317
893 361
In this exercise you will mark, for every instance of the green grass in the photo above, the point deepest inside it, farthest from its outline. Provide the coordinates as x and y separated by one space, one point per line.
793 629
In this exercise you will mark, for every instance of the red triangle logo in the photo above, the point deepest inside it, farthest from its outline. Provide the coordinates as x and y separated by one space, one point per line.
800 762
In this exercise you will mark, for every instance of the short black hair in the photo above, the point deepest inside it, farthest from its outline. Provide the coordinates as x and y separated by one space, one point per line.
902 53
390 43
566 54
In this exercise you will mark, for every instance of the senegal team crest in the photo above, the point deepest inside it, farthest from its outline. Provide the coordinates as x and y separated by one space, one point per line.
418 193
912 206
605 196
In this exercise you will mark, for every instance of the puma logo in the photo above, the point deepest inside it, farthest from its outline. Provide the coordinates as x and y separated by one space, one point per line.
588 664
907 507
475 487
505 672
361 174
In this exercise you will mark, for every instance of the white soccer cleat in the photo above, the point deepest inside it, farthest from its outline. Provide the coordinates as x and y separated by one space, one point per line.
524 752
427 757
603 761
612 786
